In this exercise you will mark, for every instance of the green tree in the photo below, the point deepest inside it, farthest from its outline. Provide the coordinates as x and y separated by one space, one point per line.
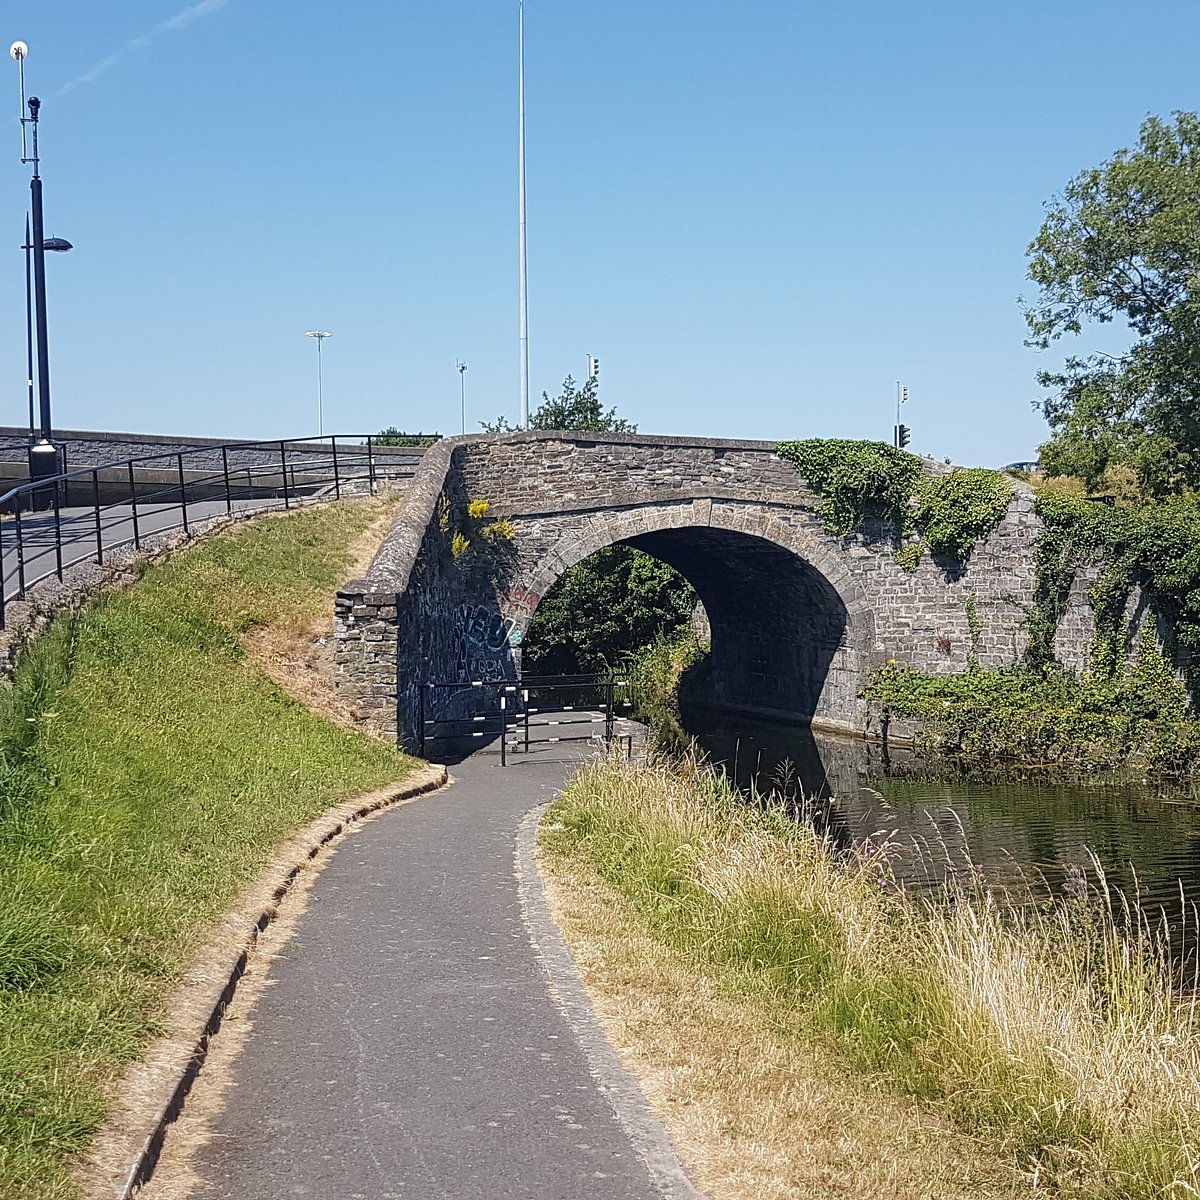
1122 245
615 601
575 407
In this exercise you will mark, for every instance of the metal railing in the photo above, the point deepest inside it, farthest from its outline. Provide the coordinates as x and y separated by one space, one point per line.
524 715
86 515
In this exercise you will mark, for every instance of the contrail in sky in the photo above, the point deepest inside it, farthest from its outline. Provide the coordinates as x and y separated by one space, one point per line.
181 20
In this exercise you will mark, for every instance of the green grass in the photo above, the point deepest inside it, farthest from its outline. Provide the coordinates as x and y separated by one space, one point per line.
1057 1034
147 771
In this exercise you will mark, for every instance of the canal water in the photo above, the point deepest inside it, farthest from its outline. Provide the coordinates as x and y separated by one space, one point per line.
1018 832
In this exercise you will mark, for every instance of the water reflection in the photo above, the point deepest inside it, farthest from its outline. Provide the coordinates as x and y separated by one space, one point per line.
1021 833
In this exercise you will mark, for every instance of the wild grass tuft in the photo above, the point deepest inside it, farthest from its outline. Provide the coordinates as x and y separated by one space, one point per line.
1062 1033
147 771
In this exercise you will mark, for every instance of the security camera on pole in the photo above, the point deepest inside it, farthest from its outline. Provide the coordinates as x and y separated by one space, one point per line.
462 389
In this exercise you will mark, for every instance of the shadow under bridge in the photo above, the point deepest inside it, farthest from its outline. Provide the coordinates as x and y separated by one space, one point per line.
779 627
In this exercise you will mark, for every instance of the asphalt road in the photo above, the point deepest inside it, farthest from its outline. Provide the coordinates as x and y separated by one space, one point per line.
424 1034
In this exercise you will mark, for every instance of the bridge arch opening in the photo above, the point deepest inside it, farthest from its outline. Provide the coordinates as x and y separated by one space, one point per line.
616 600
783 637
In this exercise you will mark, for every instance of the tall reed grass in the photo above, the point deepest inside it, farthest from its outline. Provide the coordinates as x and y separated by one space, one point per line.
1061 1031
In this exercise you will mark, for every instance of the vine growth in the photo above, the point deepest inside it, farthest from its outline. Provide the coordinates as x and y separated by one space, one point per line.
865 484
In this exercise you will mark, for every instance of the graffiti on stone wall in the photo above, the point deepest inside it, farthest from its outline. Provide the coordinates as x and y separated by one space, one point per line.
486 640
523 600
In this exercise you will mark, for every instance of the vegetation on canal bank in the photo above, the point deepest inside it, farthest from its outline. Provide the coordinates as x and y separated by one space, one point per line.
1055 1035
1050 719
1133 706
148 769
656 674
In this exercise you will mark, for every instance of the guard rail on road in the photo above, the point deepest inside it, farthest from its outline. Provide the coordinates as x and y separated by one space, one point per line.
85 514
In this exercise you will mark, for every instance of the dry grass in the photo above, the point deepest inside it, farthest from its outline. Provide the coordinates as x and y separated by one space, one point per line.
298 655
1061 1035
755 1114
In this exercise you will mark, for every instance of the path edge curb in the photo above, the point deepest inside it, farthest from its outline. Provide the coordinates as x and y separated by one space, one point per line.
647 1131
215 974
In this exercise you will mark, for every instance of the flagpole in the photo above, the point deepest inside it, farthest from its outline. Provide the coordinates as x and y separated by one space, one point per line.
521 217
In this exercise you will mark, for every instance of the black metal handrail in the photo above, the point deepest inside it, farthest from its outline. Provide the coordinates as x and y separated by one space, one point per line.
84 515
523 714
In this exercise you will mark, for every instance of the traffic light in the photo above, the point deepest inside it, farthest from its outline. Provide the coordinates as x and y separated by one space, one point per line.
903 433
593 367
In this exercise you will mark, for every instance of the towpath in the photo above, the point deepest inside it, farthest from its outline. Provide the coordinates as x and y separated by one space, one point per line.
424 1034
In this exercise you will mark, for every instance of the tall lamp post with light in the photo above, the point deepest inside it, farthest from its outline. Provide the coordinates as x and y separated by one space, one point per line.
320 335
43 453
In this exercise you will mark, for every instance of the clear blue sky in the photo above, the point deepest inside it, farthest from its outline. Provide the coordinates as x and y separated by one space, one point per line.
758 216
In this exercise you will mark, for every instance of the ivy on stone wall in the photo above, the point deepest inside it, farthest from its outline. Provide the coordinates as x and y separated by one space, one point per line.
952 512
861 483
1151 546
858 482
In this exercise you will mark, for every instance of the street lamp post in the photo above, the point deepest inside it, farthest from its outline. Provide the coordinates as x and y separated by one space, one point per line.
43 454
320 335
462 389
60 245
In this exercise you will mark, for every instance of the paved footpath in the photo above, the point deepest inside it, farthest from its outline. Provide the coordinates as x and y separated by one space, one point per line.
424 1034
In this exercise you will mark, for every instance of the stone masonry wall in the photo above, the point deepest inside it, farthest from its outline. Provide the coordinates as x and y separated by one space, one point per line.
730 514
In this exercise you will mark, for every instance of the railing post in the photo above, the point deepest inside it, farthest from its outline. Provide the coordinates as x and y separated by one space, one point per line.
371 466
20 551
421 718
96 506
337 483
183 496
2 580
525 701
608 712
503 730
283 467
137 540
57 533
225 472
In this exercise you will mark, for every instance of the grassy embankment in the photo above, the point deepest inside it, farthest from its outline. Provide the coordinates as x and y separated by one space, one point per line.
147 770
1047 1037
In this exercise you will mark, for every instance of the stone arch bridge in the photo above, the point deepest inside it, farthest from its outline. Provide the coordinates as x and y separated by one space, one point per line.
799 616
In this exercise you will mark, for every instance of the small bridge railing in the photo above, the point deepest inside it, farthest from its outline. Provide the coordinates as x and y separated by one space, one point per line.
85 515
524 715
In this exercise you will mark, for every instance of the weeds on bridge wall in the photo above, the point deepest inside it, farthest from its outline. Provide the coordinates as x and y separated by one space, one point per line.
1151 547
864 483
481 545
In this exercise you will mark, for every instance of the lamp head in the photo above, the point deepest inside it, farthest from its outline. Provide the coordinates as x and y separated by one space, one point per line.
18 50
